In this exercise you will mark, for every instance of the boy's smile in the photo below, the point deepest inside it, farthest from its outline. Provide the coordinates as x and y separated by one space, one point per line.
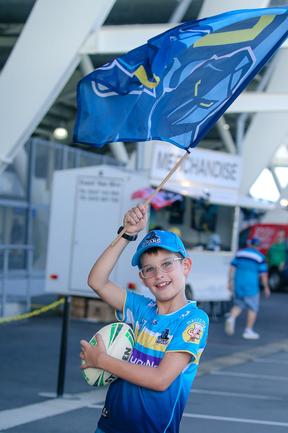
166 278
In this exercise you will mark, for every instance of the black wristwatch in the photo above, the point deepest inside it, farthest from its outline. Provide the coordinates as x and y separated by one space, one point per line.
126 236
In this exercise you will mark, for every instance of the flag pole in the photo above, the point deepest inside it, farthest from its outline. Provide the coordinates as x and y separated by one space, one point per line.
160 186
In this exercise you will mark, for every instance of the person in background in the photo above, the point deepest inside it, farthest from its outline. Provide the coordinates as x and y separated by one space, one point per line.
246 271
276 255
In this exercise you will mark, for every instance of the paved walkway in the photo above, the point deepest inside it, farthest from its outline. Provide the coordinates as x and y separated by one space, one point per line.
242 385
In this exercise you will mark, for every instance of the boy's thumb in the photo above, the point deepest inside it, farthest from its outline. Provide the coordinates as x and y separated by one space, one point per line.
99 339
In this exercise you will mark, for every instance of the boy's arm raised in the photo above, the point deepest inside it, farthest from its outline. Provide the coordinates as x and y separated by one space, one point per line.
134 221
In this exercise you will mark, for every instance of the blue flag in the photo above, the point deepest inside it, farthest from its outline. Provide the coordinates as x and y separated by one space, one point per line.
176 86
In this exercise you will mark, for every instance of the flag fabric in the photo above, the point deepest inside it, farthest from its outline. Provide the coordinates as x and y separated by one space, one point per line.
176 86
162 198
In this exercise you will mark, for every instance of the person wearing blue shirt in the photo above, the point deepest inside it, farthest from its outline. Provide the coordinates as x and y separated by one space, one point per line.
171 332
246 271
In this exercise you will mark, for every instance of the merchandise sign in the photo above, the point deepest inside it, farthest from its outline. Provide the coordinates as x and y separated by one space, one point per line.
205 167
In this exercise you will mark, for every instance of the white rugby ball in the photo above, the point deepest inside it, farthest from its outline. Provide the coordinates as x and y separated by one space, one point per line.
119 341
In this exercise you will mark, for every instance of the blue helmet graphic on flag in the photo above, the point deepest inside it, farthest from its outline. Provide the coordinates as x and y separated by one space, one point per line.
209 86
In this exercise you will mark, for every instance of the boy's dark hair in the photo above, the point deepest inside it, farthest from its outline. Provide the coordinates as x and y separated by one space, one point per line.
155 250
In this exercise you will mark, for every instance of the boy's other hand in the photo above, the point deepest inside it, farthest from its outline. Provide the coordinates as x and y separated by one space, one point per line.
91 355
135 219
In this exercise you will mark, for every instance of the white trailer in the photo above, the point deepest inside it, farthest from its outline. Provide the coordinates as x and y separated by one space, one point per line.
87 208
208 279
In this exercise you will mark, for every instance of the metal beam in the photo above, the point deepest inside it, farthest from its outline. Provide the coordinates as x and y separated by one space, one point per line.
284 194
28 88
256 102
275 178
212 7
180 11
121 39
62 111
226 135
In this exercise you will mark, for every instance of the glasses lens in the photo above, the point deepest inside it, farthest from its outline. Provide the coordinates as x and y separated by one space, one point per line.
167 266
148 271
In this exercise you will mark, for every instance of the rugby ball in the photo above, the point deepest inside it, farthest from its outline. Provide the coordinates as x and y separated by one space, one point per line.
119 341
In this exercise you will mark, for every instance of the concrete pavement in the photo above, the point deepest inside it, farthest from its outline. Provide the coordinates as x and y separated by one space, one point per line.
242 385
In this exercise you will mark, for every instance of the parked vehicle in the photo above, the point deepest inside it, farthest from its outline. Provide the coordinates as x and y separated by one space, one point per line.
278 278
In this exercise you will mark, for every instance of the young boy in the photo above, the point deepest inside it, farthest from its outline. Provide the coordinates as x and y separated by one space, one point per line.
151 390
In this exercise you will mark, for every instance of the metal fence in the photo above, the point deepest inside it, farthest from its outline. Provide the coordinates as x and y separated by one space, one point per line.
25 195
25 273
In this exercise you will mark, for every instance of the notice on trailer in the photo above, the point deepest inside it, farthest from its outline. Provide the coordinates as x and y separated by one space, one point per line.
98 211
99 189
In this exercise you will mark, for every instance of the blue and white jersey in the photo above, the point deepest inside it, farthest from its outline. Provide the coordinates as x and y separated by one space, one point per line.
131 408
249 264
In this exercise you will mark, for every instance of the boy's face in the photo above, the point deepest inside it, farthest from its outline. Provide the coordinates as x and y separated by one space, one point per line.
164 285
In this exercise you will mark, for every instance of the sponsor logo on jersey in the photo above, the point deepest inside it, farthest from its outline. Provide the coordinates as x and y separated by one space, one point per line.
164 337
185 314
193 333
141 358
151 304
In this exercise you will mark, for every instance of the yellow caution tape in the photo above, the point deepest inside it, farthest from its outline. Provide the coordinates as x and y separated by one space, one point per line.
32 313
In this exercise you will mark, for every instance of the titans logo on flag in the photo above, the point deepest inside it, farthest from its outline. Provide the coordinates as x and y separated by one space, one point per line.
176 86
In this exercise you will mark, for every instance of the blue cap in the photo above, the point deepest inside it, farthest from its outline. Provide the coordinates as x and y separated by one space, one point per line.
254 241
159 239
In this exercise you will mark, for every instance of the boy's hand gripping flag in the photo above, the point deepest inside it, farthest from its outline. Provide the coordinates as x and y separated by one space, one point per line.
176 86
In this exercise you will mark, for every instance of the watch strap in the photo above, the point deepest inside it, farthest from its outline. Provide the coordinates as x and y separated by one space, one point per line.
126 236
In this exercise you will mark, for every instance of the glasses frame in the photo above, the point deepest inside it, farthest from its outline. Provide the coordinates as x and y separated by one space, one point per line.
174 259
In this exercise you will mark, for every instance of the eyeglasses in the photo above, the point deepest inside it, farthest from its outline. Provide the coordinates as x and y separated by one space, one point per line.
167 266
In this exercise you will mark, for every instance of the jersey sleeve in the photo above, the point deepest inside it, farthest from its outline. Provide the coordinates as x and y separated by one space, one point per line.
134 306
263 267
191 335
